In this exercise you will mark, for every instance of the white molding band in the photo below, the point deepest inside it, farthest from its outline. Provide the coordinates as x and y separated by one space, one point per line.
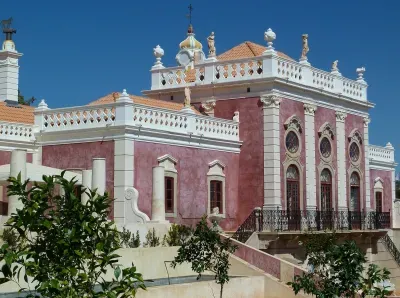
311 186
341 160
272 146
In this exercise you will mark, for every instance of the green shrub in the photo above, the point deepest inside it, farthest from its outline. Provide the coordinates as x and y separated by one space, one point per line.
177 235
63 245
129 240
206 251
10 237
151 239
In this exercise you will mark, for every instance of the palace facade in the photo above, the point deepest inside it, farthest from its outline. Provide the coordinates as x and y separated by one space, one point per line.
248 128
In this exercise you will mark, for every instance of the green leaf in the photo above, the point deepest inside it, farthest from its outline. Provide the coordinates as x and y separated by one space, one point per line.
117 272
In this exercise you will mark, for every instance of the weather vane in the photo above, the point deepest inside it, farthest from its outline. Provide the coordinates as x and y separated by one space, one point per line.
189 16
6 24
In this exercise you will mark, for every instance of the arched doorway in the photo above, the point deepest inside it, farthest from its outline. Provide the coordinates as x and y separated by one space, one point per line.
378 201
326 190
355 206
293 197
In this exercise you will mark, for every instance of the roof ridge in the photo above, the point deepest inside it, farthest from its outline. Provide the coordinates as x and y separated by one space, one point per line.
248 44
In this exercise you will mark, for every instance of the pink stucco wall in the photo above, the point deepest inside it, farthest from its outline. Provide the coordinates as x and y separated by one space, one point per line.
251 158
79 156
323 115
386 176
352 122
192 168
287 109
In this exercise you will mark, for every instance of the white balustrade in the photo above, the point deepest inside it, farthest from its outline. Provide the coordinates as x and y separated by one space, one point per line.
144 117
378 153
267 66
75 117
16 131
216 128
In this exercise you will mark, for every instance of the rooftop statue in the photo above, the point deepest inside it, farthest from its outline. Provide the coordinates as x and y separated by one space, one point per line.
305 47
211 44
186 102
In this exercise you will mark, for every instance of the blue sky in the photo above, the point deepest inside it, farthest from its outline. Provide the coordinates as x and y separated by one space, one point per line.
77 51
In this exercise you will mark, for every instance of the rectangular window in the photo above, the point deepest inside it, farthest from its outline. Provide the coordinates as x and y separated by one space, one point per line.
169 195
378 200
216 195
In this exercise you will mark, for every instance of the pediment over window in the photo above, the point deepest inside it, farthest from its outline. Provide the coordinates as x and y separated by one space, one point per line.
378 184
326 129
293 122
168 162
355 136
216 168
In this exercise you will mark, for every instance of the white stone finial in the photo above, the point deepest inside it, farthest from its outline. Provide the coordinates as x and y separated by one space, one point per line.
335 69
124 93
42 106
269 37
360 72
389 146
158 53
236 116
124 97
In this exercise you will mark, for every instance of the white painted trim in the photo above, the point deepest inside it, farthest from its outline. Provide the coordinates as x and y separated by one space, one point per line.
286 164
351 170
169 162
216 172
322 166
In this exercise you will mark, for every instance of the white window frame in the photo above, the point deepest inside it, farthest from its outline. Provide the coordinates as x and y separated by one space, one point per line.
216 172
169 163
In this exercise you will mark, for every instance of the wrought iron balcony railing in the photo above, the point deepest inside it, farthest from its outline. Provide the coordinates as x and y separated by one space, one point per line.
310 220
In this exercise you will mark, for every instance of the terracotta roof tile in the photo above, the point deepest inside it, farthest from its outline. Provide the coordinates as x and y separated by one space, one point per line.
247 49
144 101
20 114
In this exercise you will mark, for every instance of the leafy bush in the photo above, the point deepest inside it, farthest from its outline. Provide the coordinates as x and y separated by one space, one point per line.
63 245
337 270
151 239
10 237
177 235
129 240
206 251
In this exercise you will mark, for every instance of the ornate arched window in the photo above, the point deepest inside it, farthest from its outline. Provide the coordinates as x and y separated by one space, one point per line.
354 152
325 147
326 190
355 192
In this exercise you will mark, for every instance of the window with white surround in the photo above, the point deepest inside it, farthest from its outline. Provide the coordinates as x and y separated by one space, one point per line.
216 187
378 194
171 184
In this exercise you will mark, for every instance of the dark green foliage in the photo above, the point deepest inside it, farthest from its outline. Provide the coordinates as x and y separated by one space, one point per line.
151 239
206 251
177 235
21 100
337 270
63 245
129 240
397 189
10 237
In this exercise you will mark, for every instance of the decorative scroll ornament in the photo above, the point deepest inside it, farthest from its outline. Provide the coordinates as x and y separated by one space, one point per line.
209 105
293 122
355 136
326 129
270 101
236 116
341 116
309 109
367 121
131 197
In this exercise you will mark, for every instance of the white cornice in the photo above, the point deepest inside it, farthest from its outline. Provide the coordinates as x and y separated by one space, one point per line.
137 134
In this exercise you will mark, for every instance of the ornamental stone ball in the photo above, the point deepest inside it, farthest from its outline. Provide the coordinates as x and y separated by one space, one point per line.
269 37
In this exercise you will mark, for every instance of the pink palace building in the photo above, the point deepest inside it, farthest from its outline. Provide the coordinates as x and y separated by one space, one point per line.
248 129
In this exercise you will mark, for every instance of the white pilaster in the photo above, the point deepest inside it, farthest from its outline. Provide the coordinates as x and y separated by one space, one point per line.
341 160
123 179
9 73
86 183
158 200
311 186
37 157
17 166
99 175
368 204
272 159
